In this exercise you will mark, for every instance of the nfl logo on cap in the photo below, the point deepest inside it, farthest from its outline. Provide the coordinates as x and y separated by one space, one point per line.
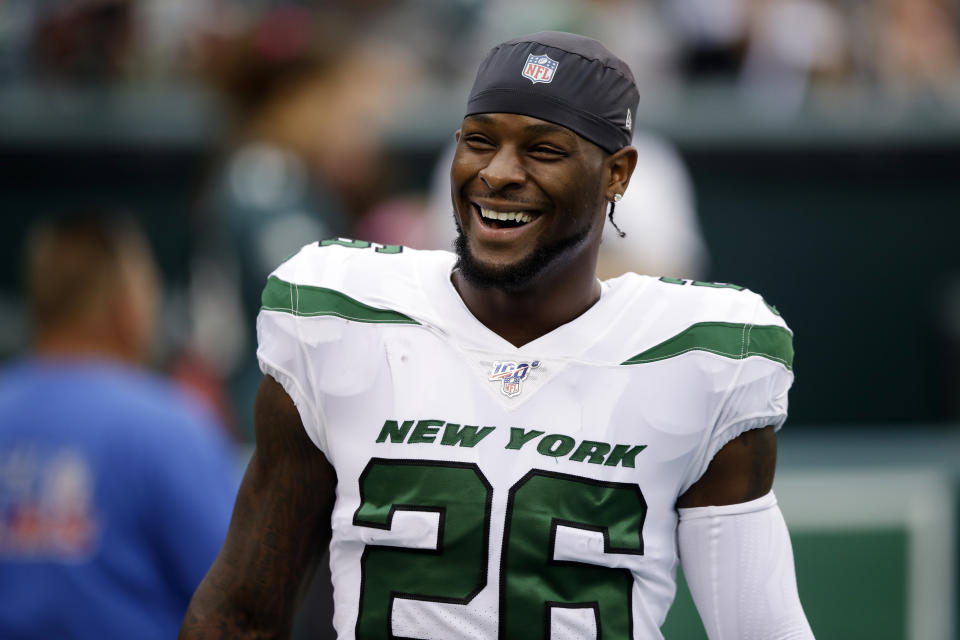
540 68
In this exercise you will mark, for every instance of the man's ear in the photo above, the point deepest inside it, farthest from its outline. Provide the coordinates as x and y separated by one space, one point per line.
456 135
620 165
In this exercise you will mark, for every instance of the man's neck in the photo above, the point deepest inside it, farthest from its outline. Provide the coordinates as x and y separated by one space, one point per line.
524 315
75 347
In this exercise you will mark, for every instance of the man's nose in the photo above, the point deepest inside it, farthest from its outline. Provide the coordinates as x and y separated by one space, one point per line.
503 170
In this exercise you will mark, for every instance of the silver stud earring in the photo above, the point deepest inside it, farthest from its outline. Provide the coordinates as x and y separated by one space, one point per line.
617 197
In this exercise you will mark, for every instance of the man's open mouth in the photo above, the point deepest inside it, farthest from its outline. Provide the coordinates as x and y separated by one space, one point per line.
505 219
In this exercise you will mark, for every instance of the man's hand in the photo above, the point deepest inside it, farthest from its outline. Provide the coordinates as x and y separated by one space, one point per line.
280 525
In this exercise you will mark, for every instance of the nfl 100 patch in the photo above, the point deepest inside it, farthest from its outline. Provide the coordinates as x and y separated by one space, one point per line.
540 68
510 375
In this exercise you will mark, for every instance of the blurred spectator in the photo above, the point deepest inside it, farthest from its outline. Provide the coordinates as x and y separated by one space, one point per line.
918 44
778 48
791 44
310 98
86 40
711 35
896 42
115 490
659 217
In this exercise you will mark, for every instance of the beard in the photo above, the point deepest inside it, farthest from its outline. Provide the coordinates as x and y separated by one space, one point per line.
521 274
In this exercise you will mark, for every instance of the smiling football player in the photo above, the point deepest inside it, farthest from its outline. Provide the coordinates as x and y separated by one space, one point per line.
496 444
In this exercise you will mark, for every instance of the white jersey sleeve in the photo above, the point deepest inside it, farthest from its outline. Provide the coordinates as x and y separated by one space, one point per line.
310 333
755 395
280 348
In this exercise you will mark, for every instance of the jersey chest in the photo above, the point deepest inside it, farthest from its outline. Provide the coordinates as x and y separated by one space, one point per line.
490 473
408 393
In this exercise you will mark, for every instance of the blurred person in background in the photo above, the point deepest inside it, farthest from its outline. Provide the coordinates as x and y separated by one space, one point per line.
777 50
773 49
918 48
792 45
309 101
115 489
85 41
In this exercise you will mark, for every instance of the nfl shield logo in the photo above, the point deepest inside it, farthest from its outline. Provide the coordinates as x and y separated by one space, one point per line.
540 68
510 375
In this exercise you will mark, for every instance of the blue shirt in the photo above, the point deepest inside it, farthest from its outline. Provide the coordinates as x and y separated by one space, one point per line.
115 496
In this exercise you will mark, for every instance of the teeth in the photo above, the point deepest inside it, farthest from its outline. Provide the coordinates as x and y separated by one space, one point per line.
518 216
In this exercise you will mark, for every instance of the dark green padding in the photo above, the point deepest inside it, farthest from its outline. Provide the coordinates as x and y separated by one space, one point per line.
304 300
731 340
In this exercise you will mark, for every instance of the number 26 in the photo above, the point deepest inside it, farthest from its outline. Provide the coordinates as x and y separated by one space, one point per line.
532 582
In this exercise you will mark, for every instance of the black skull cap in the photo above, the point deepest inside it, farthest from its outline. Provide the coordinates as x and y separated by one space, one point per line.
563 78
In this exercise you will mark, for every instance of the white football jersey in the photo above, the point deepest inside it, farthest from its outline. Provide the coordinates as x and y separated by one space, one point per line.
491 491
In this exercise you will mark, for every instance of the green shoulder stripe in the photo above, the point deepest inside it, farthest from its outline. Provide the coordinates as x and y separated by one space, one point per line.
304 300
731 340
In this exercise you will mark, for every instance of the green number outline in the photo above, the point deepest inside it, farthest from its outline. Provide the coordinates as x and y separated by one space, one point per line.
555 522
438 551
350 243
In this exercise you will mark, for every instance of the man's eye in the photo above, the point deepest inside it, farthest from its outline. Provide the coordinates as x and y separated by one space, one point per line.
478 142
548 152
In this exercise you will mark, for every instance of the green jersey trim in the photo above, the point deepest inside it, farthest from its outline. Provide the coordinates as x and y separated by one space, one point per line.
727 339
305 300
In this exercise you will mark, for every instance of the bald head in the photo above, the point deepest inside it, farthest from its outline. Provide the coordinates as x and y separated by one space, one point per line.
91 286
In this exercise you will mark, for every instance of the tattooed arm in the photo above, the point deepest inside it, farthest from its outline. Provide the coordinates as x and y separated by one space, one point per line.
280 525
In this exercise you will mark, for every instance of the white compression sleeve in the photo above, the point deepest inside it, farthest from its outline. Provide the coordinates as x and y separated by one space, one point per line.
738 564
